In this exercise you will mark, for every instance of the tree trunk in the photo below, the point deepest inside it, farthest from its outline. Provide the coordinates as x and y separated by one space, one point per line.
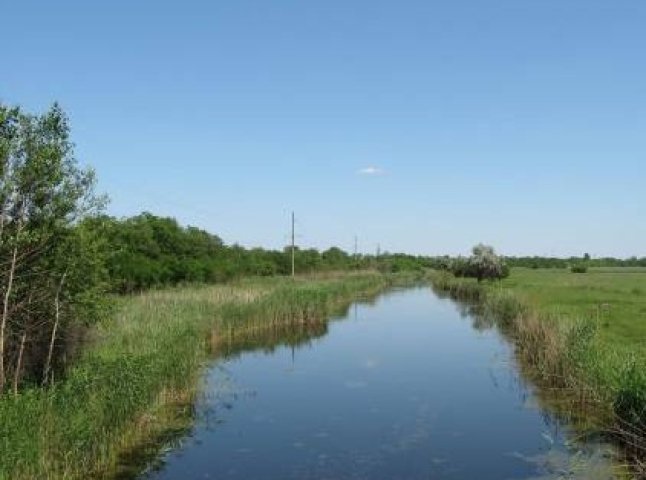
5 318
57 319
16 377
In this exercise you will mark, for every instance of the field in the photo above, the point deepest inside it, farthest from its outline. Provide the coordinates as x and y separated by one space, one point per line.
134 384
613 297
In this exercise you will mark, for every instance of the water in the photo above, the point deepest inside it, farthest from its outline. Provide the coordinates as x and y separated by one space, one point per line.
406 388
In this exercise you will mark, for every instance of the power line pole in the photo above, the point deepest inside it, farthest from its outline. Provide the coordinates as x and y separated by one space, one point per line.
293 249
356 246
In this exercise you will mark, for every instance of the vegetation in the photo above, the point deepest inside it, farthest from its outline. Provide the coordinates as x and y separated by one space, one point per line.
612 299
483 264
555 262
147 251
146 358
51 273
60 258
584 335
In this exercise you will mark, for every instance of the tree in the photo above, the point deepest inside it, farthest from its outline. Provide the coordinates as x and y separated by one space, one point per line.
335 258
482 264
48 267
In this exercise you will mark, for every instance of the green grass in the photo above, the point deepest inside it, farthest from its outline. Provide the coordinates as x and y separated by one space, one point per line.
613 297
136 382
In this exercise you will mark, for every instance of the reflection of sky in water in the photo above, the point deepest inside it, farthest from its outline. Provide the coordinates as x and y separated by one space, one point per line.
408 389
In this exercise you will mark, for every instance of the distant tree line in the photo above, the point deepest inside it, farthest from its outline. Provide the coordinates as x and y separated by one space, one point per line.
147 251
568 262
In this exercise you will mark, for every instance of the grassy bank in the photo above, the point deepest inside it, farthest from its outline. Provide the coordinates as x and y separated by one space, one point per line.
583 334
126 390
615 297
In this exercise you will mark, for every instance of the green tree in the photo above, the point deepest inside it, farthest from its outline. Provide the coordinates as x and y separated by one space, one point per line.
482 264
49 276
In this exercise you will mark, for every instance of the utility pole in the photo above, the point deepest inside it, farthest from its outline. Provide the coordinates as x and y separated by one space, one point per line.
378 250
356 246
293 249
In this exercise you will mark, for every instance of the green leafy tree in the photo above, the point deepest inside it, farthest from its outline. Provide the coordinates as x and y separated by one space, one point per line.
483 264
49 275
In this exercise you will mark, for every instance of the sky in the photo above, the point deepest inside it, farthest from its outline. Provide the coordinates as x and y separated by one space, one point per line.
420 126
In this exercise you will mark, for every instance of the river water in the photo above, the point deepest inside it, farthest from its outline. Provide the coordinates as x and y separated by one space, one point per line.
405 387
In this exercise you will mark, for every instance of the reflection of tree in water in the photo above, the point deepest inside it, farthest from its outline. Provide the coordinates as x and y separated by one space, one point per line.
467 309
270 338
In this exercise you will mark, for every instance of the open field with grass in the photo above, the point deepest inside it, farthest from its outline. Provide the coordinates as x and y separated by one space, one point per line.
614 297
135 382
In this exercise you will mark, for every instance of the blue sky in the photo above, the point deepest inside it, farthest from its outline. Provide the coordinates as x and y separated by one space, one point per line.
424 126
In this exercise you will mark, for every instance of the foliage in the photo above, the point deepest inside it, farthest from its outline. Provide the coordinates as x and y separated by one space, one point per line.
148 251
51 273
579 268
565 262
483 264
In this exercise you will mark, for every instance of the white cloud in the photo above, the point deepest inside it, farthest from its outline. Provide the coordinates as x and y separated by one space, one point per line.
371 171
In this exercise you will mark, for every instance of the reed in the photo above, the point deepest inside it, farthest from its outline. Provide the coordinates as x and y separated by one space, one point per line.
134 386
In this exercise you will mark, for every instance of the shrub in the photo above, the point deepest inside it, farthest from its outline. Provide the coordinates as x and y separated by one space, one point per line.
579 268
483 264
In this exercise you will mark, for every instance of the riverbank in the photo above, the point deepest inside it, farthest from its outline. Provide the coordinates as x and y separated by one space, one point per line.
135 384
583 334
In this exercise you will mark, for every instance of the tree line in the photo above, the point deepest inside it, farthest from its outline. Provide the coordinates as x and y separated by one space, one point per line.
568 262
147 251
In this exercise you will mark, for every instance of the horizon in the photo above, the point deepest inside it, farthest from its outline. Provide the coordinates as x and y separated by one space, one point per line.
387 121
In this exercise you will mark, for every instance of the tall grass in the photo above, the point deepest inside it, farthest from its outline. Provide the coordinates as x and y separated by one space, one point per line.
567 354
139 377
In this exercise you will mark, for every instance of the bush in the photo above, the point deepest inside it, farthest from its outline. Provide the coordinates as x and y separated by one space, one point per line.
483 264
579 268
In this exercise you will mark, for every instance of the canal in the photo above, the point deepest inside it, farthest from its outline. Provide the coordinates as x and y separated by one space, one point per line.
406 386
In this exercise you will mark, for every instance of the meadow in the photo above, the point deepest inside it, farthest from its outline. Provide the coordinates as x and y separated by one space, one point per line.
613 297
135 383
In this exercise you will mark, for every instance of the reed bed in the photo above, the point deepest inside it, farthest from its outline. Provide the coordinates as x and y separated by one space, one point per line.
136 383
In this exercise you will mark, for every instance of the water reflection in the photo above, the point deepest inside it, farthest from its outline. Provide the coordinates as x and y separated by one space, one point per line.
412 386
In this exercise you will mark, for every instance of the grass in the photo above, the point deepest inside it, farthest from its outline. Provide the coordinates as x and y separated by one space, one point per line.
583 334
135 384
614 297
